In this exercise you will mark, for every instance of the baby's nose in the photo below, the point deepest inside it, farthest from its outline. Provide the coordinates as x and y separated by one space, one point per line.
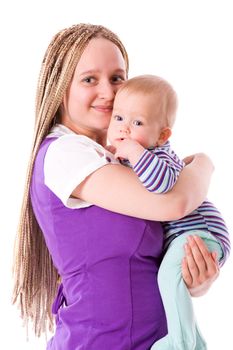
124 129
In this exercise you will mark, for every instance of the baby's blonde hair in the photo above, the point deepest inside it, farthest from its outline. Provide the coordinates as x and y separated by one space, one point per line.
162 93
36 278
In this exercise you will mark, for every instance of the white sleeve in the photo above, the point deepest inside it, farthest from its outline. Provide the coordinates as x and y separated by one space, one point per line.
68 161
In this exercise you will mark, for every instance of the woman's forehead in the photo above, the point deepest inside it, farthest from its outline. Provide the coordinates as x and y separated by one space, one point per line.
100 53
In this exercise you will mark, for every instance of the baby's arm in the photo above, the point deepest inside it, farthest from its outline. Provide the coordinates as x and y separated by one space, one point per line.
157 169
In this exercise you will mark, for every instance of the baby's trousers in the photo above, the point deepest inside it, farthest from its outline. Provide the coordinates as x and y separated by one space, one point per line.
183 332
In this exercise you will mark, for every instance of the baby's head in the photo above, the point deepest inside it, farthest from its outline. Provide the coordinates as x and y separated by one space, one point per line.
144 110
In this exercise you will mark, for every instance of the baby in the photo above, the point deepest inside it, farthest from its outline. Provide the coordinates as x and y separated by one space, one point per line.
144 112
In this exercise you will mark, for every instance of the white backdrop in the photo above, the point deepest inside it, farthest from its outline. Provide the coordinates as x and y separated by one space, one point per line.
187 42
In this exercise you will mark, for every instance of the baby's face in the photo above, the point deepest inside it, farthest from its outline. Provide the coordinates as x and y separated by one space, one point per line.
134 117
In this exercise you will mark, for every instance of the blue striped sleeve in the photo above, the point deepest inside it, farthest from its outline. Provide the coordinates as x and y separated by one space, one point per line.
158 169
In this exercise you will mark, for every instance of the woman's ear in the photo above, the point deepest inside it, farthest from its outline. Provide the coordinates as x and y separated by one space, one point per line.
164 136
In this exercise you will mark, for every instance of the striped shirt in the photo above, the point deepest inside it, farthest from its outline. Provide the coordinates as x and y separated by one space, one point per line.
158 170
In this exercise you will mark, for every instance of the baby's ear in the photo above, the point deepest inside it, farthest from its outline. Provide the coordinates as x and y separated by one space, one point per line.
164 136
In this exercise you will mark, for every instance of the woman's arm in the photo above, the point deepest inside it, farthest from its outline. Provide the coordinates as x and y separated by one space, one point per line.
117 188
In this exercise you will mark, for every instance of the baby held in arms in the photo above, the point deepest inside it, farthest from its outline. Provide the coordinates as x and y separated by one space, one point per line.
143 115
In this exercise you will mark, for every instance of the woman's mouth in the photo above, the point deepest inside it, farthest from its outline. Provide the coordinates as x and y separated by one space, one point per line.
103 109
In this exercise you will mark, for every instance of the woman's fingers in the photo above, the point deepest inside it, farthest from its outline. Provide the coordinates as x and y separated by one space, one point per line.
199 267
187 277
191 257
209 264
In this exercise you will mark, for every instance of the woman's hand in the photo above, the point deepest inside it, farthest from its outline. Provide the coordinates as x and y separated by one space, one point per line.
199 267
187 160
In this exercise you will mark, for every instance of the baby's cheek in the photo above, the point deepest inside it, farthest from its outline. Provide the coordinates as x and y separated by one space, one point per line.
141 138
110 134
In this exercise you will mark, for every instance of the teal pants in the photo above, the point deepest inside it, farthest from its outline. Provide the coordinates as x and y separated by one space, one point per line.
183 332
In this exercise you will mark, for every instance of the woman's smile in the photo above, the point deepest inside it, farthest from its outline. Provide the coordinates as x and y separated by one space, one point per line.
102 108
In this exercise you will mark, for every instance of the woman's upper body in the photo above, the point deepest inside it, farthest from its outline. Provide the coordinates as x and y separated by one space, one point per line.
81 72
107 262
109 298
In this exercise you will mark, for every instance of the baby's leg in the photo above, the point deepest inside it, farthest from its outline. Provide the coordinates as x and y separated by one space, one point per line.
182 330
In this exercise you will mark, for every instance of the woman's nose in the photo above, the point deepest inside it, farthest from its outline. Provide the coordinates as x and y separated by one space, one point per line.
106 91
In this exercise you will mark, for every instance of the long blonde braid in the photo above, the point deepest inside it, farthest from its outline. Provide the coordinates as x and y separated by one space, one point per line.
35 276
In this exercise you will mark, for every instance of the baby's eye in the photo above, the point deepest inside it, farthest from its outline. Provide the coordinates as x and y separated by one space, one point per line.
137 122
118 118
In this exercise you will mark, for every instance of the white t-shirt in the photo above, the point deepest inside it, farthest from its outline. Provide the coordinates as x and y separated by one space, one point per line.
69 160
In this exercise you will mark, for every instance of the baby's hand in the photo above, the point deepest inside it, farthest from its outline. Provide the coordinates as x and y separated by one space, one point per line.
128 149
110 149
124 148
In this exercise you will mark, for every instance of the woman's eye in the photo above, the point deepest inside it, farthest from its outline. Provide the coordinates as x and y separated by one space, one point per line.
89 80
118 118
137 122
118 79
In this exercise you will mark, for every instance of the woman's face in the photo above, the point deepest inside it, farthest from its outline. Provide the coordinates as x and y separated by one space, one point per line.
87 105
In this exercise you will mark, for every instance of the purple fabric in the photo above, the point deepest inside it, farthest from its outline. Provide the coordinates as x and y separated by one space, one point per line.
109 297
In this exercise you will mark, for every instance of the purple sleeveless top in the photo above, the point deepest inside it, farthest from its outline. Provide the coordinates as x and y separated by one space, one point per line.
109 297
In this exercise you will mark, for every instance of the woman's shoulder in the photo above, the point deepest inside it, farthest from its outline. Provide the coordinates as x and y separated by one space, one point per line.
67 140
69 159
78 148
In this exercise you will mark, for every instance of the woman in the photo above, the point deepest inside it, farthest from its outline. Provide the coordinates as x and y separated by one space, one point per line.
82 219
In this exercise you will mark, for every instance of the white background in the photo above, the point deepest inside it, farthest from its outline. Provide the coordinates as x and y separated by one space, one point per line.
187 42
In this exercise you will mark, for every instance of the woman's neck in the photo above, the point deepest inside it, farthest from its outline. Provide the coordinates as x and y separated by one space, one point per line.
99 136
